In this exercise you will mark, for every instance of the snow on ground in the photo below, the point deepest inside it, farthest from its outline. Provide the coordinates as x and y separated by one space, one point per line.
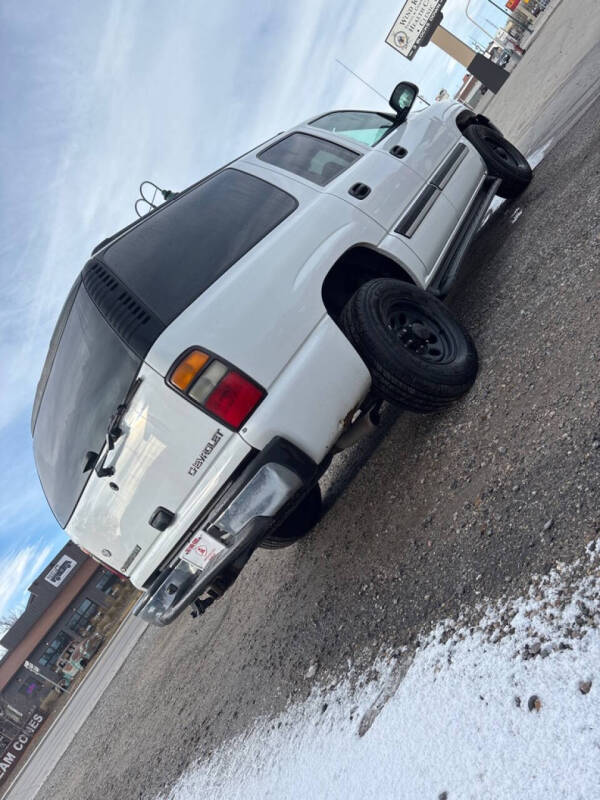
507 708
540 153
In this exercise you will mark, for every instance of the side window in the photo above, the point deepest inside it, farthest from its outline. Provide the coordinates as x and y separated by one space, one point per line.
50 655
106 581
82 615
366 127
315 159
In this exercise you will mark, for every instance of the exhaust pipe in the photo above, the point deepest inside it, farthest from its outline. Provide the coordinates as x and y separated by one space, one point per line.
363 425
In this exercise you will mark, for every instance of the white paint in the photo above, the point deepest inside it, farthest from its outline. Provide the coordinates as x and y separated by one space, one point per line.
448 721
266 316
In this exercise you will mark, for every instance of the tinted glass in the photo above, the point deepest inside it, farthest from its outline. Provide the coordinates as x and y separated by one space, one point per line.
317 160
90 375
362 126
174 255
54 649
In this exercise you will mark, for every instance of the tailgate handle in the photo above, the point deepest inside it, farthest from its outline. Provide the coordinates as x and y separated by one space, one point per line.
398 151
359 190
161 518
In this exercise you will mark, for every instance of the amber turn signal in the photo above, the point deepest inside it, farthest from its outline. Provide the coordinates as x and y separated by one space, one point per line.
219 388
187 370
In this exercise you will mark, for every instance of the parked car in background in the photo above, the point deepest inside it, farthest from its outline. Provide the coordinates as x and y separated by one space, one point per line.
504 58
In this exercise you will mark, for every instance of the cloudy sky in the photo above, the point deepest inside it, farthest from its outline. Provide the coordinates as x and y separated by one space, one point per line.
96 97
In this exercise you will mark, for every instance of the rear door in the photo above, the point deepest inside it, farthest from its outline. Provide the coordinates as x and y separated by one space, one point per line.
396 187
379 186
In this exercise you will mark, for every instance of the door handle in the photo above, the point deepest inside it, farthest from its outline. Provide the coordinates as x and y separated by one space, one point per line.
359 190
398 151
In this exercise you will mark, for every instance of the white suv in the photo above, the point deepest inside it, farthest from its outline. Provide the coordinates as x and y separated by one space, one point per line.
212 356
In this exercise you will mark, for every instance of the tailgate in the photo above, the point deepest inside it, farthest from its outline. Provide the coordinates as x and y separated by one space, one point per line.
171 455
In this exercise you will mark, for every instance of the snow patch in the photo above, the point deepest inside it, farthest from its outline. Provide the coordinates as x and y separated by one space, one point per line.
515 215
539 153
501 709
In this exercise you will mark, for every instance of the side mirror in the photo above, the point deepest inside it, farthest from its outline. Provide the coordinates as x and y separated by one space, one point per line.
402 99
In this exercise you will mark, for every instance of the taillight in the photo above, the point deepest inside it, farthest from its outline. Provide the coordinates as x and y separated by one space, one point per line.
220 389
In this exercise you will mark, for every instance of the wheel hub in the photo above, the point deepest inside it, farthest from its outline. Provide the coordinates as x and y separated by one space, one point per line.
416 334
421 332
502 152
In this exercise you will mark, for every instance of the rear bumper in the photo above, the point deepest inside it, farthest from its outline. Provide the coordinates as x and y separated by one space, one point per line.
263 495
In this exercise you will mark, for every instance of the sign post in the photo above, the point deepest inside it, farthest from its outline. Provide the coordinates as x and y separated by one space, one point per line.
419 22
37 671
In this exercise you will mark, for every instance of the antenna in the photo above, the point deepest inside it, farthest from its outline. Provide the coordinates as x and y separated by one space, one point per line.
372 88
341 63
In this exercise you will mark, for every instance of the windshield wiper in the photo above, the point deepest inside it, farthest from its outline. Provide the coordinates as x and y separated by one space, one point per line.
113 433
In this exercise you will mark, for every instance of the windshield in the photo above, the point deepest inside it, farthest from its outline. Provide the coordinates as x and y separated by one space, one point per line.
367 127
89 374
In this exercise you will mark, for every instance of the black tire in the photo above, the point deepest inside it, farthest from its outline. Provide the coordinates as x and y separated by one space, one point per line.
419 356
502 159
299 523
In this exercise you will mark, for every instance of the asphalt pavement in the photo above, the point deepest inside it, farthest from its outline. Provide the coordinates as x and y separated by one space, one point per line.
425 518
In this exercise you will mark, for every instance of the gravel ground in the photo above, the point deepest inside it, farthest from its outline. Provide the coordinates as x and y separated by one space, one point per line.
425 517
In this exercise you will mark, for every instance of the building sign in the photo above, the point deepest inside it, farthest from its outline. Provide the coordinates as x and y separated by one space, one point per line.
15 750
413 25
512 4
63 567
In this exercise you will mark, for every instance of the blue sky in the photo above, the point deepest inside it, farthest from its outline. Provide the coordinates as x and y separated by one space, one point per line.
98 96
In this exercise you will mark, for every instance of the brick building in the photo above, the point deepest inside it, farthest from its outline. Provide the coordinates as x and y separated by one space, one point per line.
65 601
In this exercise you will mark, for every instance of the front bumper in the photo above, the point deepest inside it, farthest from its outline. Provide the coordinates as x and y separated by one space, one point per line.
263 495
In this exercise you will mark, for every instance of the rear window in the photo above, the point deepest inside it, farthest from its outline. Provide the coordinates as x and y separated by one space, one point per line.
173 256
89 372
317 160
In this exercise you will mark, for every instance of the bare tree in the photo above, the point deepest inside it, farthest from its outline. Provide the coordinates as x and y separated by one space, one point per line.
8 619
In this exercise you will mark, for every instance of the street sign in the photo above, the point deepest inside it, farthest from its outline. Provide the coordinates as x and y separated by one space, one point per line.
413 26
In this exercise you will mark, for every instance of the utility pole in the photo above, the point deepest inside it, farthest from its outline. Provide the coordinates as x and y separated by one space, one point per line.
37 671
476 45
510 16
487 33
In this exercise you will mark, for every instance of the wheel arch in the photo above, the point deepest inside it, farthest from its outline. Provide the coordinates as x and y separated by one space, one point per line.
468 117
354 268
